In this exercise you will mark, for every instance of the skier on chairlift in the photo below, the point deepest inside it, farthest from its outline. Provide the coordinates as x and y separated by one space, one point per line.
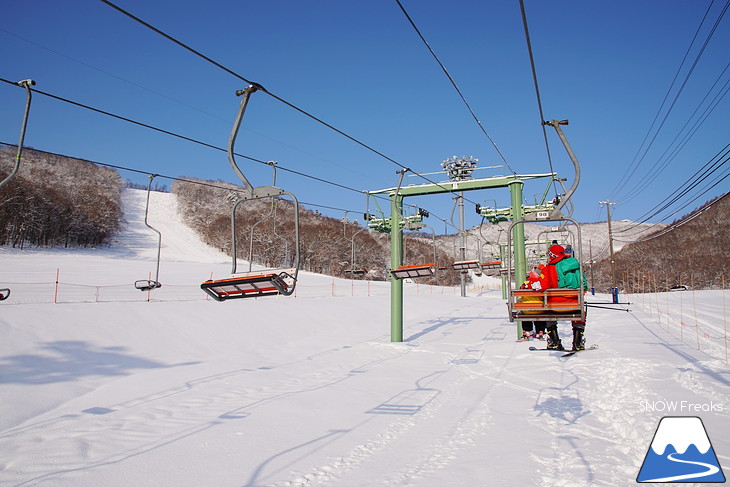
562 271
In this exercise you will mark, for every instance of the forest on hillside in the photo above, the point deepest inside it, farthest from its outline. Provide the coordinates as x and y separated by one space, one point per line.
265 231
693 253
57 201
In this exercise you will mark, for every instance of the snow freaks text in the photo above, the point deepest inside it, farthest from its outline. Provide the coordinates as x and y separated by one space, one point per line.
663 406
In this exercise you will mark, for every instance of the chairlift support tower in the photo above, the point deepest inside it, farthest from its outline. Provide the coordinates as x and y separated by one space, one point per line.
515 184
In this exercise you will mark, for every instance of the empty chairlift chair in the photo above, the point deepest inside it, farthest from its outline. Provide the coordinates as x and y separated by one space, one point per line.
26 83
249 284
149 284
419 270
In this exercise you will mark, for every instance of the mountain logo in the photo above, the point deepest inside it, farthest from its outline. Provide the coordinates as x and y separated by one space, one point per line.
681 452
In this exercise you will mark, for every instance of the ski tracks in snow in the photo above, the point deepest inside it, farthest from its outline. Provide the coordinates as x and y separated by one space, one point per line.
412 421
592 406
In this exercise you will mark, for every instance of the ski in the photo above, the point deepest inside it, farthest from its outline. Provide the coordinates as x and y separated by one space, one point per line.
573 352
566 352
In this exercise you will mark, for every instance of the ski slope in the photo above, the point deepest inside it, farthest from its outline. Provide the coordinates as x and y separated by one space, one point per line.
309 391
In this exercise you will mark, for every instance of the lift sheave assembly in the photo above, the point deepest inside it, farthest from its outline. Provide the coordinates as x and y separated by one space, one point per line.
250 284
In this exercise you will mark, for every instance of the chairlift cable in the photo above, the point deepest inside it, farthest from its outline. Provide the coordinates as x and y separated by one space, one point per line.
453 83
630 172
537 87
183 137
261 88
189 139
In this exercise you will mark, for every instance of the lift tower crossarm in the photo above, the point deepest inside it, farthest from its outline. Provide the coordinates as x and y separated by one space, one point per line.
466 185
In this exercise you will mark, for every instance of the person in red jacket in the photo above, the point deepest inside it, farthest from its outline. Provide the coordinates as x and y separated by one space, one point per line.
549 280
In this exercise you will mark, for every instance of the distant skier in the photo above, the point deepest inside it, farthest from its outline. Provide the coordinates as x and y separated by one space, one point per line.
562 271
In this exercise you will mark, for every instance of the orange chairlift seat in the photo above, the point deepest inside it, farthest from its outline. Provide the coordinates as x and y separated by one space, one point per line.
540 305
465 265
411 271
418 270
246 285
269 282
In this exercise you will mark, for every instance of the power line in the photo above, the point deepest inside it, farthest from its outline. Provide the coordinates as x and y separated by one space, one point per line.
670 153
635 164
686 220
699 176
453 83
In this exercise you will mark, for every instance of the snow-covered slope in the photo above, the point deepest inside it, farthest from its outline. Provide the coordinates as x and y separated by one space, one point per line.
179 242
309 391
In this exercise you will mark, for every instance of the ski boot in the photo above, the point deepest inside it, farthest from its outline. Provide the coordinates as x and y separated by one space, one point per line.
553 339
579 341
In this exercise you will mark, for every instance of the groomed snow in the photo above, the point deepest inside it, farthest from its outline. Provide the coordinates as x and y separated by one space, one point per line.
113 390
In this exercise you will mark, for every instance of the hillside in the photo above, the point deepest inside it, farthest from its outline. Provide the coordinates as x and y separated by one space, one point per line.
57 201
693 253
43 208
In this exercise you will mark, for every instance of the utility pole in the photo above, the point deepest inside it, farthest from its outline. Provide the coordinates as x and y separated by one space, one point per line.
610 243
462 232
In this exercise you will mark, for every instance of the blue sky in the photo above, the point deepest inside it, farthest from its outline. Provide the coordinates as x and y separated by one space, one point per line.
360 66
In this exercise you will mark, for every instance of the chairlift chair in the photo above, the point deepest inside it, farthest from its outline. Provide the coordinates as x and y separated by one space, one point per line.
418 270
149 284
541 305
466 265
26 83
269 282
469 264
545 309
411 271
